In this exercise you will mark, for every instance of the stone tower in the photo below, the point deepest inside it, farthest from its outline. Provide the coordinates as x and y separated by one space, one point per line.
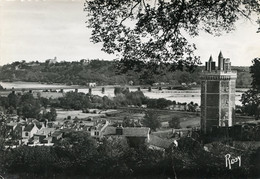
218 87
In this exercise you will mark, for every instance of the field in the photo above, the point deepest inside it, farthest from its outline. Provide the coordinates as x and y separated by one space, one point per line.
187 119
61 114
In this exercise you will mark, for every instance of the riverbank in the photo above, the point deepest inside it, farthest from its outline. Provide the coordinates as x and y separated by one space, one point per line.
173 95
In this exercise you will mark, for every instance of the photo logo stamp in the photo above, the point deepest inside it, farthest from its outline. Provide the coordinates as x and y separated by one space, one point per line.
232 160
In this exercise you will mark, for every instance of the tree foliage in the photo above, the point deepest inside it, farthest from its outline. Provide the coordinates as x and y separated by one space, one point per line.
250 99
255 73
154 34
81 156
160 103
151 120
73 100
51 115
175 123
24 105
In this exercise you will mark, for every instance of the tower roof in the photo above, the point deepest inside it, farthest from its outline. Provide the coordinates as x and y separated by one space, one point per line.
220 54
210 58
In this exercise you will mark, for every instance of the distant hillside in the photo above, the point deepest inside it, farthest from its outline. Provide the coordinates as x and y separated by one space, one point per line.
244 79
63 72
101 72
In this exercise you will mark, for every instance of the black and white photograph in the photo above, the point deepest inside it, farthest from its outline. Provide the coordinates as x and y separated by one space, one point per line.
129 89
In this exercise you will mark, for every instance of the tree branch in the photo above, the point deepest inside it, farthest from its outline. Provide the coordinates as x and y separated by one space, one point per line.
131 12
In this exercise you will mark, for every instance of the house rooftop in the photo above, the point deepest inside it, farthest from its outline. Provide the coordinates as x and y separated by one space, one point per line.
88 123
45 131
28 127
56 133
128 131
136 131
159 142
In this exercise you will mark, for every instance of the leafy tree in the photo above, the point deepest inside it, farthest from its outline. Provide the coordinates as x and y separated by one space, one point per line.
51 115
184 77
4 102
29 110
250 99
255 73
44 102
120 90
13 99
28 106
160 103
11 110
151 120
148 33
73 100
135 98
152 103
192 107
175 122
27 98
127 122
113 147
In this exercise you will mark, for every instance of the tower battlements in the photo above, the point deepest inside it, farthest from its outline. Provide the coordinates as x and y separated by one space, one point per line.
218 74
217 94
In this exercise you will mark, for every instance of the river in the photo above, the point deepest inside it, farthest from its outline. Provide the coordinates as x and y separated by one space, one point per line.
176 95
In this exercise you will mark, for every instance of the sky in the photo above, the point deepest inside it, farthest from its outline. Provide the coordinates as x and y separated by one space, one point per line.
33 30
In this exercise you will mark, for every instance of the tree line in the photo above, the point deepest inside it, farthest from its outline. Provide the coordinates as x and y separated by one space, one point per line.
27 106
102 72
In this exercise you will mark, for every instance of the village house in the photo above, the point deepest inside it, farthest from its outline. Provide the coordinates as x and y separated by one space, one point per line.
97 130
10 127
135 136
157 143
56 136
43 136
28 132
87 125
